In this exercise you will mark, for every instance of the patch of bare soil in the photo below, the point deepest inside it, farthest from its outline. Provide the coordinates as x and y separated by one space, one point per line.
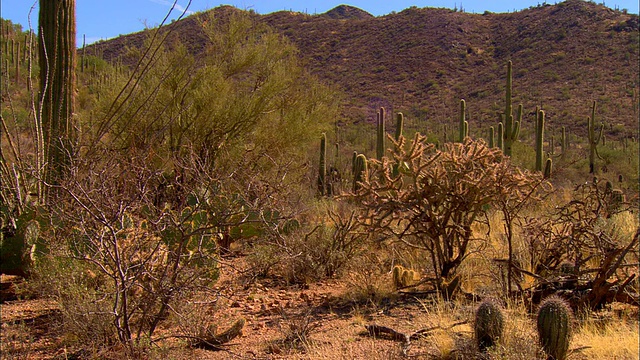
318 321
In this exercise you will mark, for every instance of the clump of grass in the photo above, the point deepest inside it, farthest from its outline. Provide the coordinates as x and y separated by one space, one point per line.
615 339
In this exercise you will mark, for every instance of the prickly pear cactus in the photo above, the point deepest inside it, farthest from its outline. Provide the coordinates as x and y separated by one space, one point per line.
554 327
489 324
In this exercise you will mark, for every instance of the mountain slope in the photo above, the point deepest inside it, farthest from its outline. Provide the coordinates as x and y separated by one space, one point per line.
422 61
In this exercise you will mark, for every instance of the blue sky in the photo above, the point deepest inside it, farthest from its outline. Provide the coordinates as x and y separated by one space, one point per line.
104 19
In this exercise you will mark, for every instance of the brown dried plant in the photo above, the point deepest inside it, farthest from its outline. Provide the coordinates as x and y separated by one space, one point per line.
438 196
579 249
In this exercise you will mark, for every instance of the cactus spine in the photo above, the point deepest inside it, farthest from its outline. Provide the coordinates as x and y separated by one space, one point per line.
539 140
554 327
322 174
360 171
464 125
511 127
489 324
380 135
593 139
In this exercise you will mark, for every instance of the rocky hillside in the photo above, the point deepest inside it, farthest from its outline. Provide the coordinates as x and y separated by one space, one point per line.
423 60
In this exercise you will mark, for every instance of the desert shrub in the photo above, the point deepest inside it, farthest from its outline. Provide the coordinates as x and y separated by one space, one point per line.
584 231
440 195
309 253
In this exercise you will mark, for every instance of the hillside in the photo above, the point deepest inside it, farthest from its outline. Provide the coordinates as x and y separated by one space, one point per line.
423 60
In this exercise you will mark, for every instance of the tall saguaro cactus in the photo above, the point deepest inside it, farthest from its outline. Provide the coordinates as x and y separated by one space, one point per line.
500 136
322 173
57 56
360 171
464 125
593 139
511 127
380 139
399 128
539 140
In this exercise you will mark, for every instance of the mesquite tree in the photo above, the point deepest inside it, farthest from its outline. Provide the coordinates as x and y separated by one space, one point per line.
57 50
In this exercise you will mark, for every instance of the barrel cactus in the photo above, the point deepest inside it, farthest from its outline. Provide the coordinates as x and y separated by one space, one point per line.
554 327
489 324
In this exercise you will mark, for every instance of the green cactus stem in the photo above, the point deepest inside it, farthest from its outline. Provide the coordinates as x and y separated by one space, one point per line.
464 125
500 136
539 140
511 127
492 137
399 125
57 56
322 174
554 327
547 169
353 162
593 139
360 172
563 141
380 140
399 128
489 324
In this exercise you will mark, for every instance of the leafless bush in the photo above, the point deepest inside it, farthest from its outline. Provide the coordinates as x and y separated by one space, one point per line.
311 252
138 255
578 248
439 196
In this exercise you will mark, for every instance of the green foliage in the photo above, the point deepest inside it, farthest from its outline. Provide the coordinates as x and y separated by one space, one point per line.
248 97
489 324
554 327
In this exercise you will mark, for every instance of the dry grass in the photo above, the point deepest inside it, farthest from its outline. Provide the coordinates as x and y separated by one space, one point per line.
607 337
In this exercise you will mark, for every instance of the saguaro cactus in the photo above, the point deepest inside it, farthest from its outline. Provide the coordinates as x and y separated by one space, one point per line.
57 55
511 127
500 136
554 327
489 324
322 174
563 142
539 140
380 135
547 168
360 171
492 137
593 139
464 125
399 127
